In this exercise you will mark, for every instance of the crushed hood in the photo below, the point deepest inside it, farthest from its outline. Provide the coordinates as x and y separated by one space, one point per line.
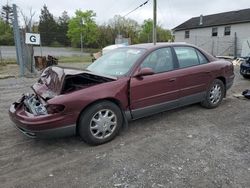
52 79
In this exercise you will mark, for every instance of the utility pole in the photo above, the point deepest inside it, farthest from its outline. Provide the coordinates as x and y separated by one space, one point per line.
81 23
154 21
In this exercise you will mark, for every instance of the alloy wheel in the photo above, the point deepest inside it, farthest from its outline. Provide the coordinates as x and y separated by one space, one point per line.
103 123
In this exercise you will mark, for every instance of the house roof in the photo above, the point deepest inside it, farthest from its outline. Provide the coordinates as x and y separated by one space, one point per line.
225 18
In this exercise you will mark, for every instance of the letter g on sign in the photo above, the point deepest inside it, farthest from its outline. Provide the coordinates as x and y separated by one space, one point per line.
33 38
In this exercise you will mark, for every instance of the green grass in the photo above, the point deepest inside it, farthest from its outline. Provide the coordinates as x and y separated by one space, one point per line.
61 59
7 61
74 59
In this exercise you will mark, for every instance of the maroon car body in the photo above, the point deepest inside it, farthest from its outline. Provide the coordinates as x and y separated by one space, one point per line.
63 94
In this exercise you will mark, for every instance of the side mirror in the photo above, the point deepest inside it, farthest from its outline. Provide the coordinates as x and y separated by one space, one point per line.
144 72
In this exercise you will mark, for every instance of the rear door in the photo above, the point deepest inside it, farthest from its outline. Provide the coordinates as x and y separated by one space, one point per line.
195 74
158 92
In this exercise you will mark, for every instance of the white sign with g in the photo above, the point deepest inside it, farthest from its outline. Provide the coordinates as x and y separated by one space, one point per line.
32 38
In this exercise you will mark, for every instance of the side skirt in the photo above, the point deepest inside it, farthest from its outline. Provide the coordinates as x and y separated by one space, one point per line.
154 109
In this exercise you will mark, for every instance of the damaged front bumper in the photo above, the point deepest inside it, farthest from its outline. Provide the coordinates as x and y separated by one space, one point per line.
37 123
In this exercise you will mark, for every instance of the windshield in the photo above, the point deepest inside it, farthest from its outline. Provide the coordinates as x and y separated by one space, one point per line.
117 62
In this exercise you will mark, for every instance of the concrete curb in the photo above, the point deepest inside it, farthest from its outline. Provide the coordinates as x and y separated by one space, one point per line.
5 76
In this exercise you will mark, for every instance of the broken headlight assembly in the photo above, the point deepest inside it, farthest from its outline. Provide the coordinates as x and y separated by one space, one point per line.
33 105
36 107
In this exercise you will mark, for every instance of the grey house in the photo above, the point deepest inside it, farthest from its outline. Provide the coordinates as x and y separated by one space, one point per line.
219 34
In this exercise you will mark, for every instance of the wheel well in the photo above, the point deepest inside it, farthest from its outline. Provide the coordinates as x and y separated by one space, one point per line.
97 101
222 79
224 82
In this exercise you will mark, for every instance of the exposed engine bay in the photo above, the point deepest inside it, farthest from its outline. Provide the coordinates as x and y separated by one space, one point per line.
48 87
81 81
33 105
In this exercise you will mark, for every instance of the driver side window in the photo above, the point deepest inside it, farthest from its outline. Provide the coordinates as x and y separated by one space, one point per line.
160 60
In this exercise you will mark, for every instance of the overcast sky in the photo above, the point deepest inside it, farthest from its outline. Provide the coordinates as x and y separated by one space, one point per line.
170 12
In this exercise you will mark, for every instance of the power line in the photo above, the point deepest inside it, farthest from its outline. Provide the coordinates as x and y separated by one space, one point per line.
136 8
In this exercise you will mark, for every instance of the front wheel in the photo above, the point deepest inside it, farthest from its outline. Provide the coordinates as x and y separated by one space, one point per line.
100 123
214 95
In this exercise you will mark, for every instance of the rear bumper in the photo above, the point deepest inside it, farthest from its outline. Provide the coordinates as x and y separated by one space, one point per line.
44 126
229 82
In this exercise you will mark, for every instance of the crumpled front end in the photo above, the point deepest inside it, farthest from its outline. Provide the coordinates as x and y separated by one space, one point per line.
36 118
50 109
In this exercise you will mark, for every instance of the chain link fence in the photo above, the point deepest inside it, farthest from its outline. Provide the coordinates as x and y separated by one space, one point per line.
68 57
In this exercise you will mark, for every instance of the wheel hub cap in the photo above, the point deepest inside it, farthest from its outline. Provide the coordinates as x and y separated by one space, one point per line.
215 94
103 124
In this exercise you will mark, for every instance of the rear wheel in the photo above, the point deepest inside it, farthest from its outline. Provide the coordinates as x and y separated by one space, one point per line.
100 123
214 95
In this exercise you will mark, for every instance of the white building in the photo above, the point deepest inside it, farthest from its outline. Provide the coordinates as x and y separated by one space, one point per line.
219 34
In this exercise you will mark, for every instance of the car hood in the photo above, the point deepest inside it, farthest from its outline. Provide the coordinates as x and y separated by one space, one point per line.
52 80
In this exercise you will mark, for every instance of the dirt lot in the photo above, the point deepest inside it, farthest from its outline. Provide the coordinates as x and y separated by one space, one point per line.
187 147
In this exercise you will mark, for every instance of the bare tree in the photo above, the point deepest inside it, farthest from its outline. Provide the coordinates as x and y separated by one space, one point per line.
28 19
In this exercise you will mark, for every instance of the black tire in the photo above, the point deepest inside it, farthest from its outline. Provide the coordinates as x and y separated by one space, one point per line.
246 76
212 100
95 128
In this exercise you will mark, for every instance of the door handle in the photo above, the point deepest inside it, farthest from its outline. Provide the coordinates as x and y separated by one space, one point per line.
172 79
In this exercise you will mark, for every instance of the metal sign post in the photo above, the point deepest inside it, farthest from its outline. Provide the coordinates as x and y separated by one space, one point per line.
17 38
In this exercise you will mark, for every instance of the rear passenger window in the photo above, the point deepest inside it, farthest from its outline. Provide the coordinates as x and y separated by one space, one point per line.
186 56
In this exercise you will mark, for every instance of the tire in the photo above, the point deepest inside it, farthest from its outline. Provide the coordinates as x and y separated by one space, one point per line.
246 76
214 94
100 123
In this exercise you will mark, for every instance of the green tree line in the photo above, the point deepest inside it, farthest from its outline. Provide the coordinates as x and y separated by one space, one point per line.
66 31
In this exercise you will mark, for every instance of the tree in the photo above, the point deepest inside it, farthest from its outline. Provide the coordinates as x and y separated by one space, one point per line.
7 13
6 33
163 35
62 29
146 31
106 36
47 27
84 23
128 28
28 20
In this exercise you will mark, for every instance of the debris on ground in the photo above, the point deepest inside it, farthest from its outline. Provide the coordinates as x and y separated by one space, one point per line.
246 93
41 62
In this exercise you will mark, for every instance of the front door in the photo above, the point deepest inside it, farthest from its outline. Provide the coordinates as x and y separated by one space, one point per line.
158 92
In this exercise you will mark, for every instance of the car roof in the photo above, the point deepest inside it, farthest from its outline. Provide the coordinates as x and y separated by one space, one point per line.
157 45
151 46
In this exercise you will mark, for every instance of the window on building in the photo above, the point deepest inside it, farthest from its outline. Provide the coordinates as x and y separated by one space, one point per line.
227 30
214 31
187 34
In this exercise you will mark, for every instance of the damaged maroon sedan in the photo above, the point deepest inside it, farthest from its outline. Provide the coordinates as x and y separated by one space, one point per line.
125 84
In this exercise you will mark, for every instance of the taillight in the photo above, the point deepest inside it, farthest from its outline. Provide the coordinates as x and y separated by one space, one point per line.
55 108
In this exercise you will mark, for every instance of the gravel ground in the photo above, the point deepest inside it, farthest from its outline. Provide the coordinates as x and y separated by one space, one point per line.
186 147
